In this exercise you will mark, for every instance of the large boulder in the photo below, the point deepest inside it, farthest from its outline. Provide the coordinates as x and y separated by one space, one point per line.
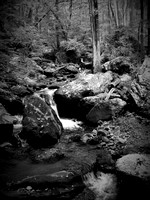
119 65
41 126
136 165
140 88
105 110
133 172
69 96
144 72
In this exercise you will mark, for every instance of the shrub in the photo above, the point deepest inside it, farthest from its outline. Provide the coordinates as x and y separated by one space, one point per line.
28 39
121 42
73 50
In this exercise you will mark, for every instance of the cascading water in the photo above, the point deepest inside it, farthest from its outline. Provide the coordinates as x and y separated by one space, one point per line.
68 124
104 185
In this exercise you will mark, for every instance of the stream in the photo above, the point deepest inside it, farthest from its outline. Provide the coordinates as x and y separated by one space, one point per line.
78 159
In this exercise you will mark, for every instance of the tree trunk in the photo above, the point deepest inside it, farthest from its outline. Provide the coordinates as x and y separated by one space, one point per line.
142 28
56 27
111 14
70 10
142 19
116 12
94 21
125 7
148 19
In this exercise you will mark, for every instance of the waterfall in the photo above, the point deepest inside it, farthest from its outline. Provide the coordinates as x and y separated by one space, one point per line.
68 124
104 185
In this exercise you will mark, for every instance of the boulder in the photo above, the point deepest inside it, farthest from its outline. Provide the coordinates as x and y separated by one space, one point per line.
20 90
144 72
103 108
141 95
136 165
41 126
71 94
101 111
119 65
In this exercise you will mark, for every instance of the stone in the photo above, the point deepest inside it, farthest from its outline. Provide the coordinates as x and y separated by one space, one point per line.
41 126
144 72
20 90
105 139
101 111
136 165
50 156
118 65
72 93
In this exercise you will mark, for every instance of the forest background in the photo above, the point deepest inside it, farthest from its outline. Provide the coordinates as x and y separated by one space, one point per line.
53 27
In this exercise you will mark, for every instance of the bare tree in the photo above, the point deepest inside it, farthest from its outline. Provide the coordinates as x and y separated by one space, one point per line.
94 21
142 20
148 19
116 11
57 27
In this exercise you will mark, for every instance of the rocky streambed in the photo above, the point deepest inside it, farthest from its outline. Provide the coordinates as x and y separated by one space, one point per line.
84 164
47 156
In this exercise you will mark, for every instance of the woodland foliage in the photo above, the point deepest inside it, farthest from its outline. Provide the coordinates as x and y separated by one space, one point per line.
122 42
62 28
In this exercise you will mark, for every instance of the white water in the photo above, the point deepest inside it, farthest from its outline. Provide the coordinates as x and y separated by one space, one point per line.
104 185
68 124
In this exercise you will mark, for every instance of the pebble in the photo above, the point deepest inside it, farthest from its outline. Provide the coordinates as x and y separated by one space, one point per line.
105 139
103 144
111 144
121 140
94 132
29 188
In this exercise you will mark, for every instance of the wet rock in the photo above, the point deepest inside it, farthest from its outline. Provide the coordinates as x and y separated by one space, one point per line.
101 111
75 138
50 156
134 176
59 185
104 162
90 138
72 93
105 139
102 107
86 194
136 165
41 126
